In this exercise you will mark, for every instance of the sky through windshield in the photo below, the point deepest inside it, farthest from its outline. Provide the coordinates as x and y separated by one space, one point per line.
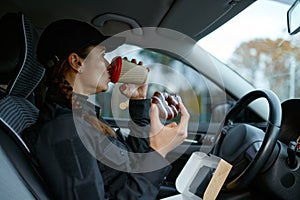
252 23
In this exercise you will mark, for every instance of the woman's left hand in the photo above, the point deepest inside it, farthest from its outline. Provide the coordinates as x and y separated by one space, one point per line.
135 91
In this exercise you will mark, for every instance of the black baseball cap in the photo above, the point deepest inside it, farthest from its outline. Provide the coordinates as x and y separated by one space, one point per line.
65 36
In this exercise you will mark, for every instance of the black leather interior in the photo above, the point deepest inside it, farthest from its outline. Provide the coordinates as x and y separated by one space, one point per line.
290 122
22 73
12 47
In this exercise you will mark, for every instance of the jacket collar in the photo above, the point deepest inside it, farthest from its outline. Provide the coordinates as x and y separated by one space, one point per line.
80 103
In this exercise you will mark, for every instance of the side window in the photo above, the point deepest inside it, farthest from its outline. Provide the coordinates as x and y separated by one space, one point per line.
173 76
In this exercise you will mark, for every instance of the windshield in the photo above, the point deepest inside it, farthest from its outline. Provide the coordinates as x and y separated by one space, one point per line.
257 45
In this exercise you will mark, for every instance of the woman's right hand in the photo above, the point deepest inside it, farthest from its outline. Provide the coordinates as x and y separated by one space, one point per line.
164 139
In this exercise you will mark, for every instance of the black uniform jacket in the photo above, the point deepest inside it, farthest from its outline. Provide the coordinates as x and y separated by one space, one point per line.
79 162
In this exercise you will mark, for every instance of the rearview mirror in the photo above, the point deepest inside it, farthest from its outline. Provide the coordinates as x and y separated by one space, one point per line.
293 18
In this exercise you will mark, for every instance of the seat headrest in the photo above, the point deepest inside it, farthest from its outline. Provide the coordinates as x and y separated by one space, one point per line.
12 46
19 68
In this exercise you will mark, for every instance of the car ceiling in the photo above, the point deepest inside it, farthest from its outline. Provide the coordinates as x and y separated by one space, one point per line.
195 18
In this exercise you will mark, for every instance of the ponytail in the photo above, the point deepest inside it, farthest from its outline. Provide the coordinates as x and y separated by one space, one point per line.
55 76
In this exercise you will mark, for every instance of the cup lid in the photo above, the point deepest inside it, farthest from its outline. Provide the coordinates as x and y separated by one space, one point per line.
115 71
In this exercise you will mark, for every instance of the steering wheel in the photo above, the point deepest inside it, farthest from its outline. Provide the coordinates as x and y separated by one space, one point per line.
268 144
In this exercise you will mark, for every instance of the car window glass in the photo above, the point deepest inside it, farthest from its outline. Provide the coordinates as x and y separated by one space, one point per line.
256 44
173 76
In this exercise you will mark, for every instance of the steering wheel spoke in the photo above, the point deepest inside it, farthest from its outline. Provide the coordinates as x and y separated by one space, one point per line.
248 141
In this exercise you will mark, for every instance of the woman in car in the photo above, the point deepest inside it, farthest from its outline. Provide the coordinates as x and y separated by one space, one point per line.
80 155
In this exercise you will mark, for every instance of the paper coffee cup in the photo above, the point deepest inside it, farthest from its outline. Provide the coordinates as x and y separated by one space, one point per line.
123 71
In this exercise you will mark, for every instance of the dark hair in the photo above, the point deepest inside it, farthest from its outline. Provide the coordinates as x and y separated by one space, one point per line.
56 76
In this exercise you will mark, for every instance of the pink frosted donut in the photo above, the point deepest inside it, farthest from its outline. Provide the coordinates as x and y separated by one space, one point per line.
167 105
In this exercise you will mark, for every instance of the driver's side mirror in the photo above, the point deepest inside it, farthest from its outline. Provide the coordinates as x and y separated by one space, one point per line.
293 18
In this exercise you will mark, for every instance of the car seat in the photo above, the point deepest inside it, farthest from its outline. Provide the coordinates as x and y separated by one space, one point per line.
20 73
